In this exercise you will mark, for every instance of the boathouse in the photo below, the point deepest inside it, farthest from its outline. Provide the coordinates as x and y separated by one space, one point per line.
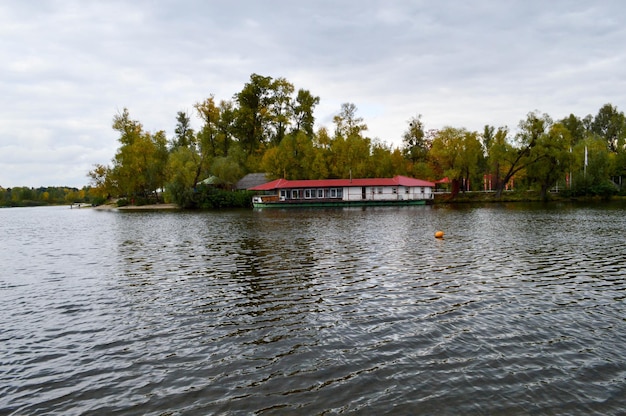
400 190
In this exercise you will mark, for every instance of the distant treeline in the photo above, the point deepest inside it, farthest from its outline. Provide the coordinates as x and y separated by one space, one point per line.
269 127
52 195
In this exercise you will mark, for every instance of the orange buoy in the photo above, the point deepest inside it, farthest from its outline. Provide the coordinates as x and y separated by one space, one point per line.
438 234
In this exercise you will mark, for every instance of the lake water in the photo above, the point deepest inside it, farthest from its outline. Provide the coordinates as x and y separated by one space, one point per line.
519 310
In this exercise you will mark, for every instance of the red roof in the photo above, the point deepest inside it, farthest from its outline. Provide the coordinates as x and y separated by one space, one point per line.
339 183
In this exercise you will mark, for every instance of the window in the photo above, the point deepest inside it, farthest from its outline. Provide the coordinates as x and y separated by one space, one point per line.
394 190
307 193
336 193
320 193
406 190
379 190
283 193
294 194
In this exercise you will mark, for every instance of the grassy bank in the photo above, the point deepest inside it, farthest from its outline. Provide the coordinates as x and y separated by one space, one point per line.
518 196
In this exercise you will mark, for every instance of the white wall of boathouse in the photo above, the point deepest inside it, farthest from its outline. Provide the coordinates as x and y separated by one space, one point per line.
387 193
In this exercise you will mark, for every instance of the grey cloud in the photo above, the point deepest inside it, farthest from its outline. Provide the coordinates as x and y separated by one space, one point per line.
66 67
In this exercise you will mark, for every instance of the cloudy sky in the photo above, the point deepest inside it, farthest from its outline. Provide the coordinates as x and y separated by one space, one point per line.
67 67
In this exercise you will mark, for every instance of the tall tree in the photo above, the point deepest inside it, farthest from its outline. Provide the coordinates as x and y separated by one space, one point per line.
351 157
129 129
302 108
281 108
497 147
293 158
182 168
139 164
610 124
347 123
100 181
518 157
591 164
382 164
576 128
415 145
136 166
253 114
552 158
183 133
210 114
455 154
323 156
225 125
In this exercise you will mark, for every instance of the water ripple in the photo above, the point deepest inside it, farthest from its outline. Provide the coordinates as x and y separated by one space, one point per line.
517 311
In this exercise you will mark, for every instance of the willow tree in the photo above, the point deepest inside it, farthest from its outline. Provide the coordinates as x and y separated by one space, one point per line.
516 157
456 153
552 158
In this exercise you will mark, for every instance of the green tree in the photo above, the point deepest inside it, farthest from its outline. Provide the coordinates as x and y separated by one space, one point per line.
157 171
302 108
207 136
610 125
488 137
576 128
254 113
455 153
349 150
225 125
100 180
415 145
184 134
591 164
351 157
139 164
323 157
181 171
347 123
496 147
227 169
291 159
382 165
281 109
552 158
129 129
513 159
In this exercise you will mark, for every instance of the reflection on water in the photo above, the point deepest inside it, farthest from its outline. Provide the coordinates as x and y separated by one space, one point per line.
518 310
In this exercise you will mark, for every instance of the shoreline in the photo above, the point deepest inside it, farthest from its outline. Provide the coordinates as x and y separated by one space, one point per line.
149 207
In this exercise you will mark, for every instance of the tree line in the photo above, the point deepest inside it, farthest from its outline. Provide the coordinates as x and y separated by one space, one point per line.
268 127
21 196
